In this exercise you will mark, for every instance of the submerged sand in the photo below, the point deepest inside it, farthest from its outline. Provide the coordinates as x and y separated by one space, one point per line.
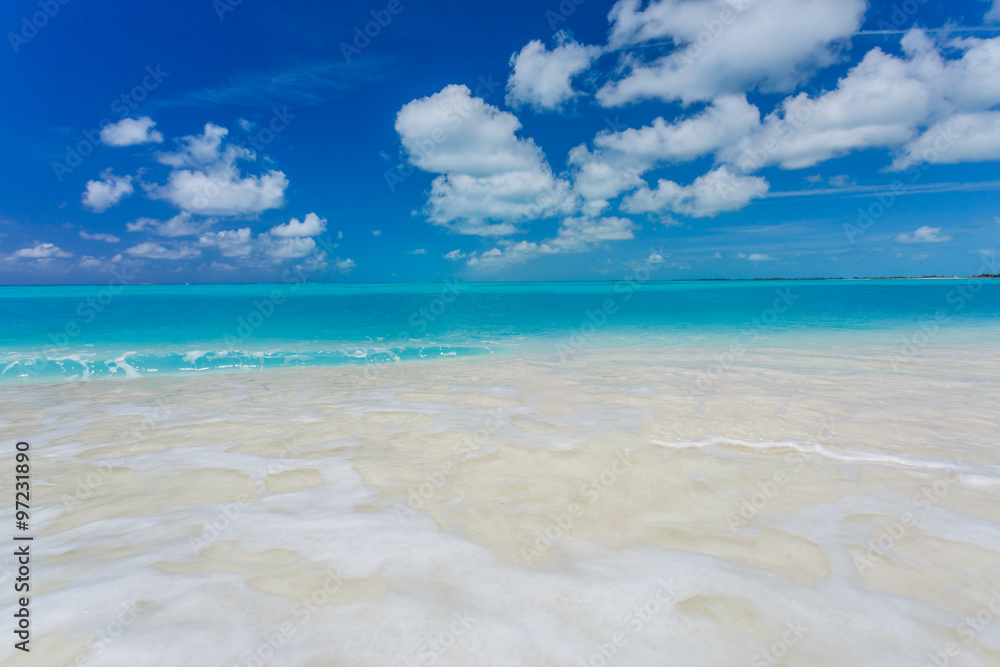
824 506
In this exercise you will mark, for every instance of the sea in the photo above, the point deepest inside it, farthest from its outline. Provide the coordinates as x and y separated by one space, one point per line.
634 472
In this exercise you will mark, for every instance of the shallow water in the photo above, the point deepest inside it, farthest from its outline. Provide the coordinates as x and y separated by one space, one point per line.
68 333
823 505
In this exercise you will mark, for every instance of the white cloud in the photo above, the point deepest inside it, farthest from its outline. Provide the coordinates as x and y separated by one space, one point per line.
99 236
717 191
964 137
89 262
925 234
993 13
287 248
131 131
41 251
206 180
418 251
758 257
884 101
654 258
455 254
574 235
313 225
599 177
619 159
231 243
345 265
377 232
542 79
725 121
465 204
878 103
105 193
726 47
182 224
490 178
150 250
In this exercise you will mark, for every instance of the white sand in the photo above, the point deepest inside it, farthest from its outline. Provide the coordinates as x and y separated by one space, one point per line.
804 507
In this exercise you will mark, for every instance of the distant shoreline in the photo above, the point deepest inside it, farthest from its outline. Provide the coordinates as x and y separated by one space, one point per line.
982 276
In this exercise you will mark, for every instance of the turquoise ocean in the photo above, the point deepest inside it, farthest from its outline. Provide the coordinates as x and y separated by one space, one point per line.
73 332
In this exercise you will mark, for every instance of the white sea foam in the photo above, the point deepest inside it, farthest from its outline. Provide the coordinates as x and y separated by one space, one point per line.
423 514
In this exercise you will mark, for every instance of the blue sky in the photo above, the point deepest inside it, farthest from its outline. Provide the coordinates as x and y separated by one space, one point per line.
258 142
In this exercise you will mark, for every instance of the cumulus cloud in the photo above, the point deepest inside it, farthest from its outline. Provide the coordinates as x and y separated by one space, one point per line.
345 265
455 254
100 195
131 131
41 251
490 178
925 234
574 235
418 251
884 101
150 250
206 179
619 158
287 248
725 47
376 232
182 224
758 257
599 176
993 13
230 243
726 120
313 225
718 191
963 137
542 79
99 236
